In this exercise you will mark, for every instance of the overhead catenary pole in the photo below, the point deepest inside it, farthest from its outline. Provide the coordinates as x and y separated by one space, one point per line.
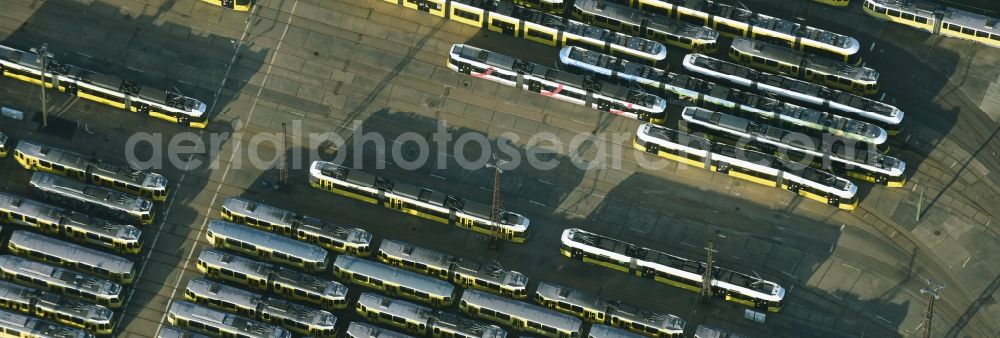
43 56
497 205
706 278
283 170
935 293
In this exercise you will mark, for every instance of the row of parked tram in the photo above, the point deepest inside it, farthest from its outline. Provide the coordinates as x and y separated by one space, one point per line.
418 284
70 249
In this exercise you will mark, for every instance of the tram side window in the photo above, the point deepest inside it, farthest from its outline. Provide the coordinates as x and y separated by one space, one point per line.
466 15
729 29
954 28
539 34
921 19
981 34
893 12
995 37
967 31
908 16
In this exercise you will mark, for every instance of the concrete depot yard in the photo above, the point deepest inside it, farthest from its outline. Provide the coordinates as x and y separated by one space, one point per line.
369 66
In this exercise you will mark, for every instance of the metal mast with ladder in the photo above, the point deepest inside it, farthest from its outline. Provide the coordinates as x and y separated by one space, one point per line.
706 277
497 205
283 170
935 293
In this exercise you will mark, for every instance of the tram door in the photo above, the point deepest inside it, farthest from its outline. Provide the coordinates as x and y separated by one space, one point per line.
397 204
857 87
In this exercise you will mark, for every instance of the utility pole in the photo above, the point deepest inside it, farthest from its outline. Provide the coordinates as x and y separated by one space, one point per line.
43 56
283 169
497 206
935 293
706 278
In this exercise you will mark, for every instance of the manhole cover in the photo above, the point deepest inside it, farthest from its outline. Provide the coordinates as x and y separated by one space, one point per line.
466 83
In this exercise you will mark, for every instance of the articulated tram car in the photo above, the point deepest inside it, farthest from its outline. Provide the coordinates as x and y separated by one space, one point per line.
93 199
266 245
16 325
422 320
519 315
750 165
35 156
3 145
469 274
413 200
574 88
620 18
595 309
394 281
665 268
91 317
702 92
283 281
923 15
32 245
102 88
176 332
402 314
328 235
838 155
365 330
293 317
68 283
884 115
76 226
201 319
553 30
732 21
236 5
817 69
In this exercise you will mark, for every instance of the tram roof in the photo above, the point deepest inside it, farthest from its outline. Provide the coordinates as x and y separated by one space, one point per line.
779 25
315 284
38 327
415 253
59 275
521 309
586 299
236 263
396 307
640 18
365 330
239 323
468 326
604 331
71 252
175 332
269 240
388 273
94 194
795 85
820 63
646 316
